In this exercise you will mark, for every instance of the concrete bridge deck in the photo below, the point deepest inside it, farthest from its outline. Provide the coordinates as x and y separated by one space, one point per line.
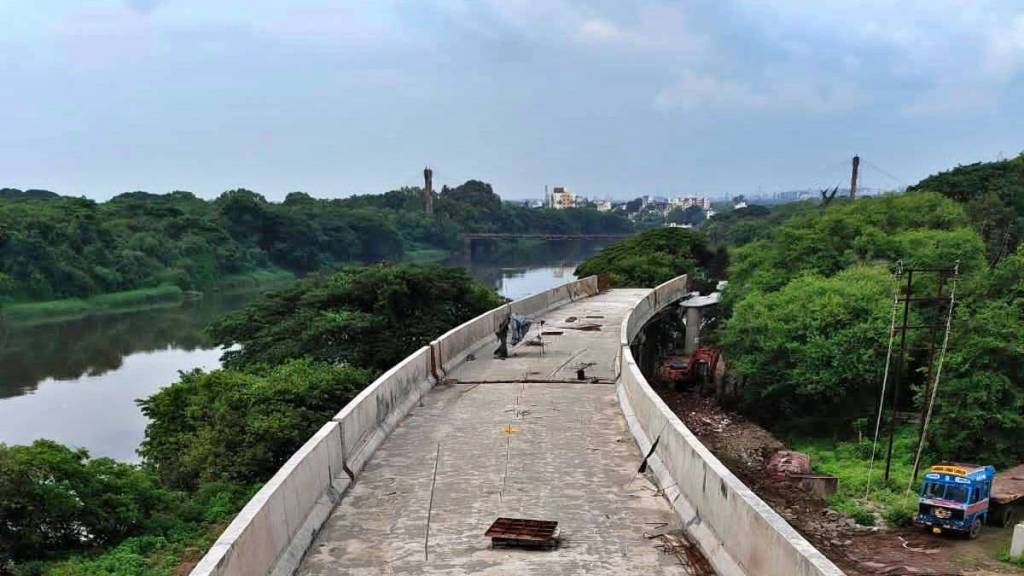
517 437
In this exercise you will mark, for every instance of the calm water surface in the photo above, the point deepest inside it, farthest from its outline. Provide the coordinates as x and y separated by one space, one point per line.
76 381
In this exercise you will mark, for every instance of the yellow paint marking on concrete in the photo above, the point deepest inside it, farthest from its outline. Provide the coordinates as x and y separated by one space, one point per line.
510 429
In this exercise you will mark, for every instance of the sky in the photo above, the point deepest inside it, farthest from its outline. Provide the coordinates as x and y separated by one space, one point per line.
612 99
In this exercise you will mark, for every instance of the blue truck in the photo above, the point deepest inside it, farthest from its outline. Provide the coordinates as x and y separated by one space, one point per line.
955 498
960 497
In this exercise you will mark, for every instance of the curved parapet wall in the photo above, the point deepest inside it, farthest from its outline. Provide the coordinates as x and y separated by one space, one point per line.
275 528
738 531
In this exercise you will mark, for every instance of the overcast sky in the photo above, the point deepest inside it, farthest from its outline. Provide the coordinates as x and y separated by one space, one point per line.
612 99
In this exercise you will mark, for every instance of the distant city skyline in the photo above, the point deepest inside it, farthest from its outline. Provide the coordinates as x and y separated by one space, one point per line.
611 99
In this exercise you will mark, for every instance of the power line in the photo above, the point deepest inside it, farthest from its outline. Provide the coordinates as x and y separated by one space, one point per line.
885 173
885 378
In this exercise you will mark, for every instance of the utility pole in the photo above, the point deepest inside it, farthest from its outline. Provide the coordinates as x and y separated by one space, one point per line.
938 302
934 373
853 178
899 363
428 191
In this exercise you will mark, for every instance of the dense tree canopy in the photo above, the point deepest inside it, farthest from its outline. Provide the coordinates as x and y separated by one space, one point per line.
56 247
993 195
370 316
810 303
813 346
53 498
650 258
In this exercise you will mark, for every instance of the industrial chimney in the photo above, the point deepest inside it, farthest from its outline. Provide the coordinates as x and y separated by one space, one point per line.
853 177
428 190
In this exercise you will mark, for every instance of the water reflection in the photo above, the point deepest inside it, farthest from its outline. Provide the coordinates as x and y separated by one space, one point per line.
518 269
95 345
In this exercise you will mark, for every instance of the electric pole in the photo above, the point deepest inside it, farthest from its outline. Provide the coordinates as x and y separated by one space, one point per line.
853 178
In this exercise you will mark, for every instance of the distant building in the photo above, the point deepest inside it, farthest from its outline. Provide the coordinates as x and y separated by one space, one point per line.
739 205
561 198
603 205
684 202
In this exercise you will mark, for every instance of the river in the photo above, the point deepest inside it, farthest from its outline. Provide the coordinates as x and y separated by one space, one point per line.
76 381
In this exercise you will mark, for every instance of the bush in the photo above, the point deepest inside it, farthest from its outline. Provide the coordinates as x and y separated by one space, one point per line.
240 427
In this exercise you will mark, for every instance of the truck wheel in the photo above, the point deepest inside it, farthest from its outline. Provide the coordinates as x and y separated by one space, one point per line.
975 529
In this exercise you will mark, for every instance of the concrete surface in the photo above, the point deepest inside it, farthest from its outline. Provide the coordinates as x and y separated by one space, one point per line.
508 438
1017 544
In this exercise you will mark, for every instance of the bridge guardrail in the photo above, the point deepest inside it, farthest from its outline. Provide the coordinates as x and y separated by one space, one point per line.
738 532
275 528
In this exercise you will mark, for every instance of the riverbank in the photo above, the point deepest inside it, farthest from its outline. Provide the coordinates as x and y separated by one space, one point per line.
133 300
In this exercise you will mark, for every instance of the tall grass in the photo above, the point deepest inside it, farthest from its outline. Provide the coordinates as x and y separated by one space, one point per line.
861 499
71 307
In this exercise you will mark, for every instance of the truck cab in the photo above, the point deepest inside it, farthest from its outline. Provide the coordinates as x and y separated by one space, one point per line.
955 497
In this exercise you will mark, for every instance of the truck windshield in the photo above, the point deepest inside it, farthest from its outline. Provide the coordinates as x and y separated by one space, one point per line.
945 491
933 490
956 493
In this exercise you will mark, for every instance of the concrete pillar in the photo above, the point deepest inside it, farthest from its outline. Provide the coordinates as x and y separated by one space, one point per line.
1017 544
693 318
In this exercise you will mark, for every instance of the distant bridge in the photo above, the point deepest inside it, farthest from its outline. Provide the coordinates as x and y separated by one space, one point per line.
467 239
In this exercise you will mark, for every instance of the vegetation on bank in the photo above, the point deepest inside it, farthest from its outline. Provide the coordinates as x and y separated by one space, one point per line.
73 307
372 316
55 248
214 437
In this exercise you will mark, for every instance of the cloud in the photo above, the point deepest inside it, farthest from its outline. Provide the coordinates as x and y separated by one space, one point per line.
694 91
143 6
1004 52
598 31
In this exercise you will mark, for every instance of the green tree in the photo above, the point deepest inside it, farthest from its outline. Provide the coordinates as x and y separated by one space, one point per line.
692 215
650 258
227 425
814 347
372 316
54 499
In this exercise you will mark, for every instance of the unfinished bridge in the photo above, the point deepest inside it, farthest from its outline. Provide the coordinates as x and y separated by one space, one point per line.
408 476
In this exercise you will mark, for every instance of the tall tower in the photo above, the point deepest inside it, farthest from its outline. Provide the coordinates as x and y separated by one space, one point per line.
853 177
428 190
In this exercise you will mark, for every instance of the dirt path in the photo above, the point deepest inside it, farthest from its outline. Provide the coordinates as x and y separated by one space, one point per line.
745 448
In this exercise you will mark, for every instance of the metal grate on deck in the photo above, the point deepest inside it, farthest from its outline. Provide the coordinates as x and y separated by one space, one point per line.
523 532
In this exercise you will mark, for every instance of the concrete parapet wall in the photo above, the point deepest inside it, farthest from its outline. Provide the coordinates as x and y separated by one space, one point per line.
273 530
276 527
370 417
738 532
